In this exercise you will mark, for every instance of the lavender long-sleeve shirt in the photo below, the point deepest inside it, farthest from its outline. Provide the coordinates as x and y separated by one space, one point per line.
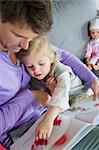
17 103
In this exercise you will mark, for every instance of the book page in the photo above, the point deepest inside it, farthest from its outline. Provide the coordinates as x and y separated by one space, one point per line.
87 110
27 141
66 133
76 131
91 116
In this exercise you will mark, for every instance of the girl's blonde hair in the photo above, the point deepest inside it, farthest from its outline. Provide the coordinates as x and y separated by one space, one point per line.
39 45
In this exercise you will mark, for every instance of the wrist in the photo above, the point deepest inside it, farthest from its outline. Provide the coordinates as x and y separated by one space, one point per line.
52 113
48 120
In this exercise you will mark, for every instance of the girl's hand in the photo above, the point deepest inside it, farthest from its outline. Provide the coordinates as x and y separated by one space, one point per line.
51 84
44 129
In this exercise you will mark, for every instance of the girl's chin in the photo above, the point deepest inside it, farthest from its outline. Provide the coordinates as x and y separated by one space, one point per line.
39 78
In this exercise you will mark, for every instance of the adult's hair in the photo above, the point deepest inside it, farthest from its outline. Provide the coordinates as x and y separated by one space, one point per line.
35 13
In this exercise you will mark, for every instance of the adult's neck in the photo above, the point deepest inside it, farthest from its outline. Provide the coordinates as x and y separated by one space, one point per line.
12 57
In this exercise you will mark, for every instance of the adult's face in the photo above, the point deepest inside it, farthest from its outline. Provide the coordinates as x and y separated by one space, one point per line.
13 37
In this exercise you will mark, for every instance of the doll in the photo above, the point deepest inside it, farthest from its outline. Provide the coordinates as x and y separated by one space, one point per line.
92 50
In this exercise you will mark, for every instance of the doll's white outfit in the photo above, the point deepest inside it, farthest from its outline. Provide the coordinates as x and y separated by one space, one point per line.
92 51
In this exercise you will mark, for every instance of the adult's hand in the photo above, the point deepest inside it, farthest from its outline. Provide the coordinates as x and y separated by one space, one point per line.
95 88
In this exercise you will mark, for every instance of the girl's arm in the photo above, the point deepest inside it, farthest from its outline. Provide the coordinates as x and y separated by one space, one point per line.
58 103
45 127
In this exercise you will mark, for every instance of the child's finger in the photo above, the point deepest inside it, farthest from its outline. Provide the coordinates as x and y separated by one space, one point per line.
51 84
48 134
50 81
40 135
37 135
44 135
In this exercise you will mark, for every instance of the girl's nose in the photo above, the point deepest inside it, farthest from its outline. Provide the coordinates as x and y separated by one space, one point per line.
35 68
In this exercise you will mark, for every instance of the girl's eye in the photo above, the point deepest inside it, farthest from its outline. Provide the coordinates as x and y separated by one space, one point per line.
28 66
41 64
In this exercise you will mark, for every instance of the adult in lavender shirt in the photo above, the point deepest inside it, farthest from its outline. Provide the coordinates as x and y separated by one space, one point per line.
20 22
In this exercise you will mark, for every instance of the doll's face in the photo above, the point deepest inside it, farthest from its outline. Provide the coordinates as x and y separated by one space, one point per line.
94 34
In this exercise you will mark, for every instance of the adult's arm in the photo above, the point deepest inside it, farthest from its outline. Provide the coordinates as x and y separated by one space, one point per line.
80 69
19 110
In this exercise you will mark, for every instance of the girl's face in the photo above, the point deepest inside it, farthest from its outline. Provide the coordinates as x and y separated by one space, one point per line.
38 65
94 34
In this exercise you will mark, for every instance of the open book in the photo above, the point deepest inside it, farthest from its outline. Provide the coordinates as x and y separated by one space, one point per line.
69 128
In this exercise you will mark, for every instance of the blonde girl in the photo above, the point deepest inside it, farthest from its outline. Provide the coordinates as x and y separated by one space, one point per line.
42 63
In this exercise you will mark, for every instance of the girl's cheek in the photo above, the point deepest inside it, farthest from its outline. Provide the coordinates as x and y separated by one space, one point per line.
29 71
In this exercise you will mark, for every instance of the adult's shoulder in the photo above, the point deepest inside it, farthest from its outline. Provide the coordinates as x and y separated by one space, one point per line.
60 51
